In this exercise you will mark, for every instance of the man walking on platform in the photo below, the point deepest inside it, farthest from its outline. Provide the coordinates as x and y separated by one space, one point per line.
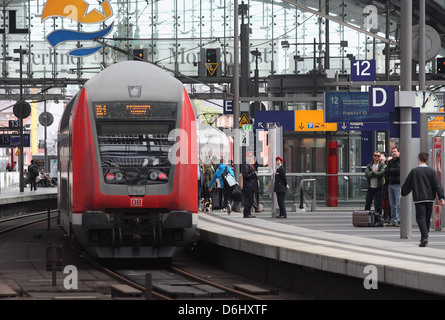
425 184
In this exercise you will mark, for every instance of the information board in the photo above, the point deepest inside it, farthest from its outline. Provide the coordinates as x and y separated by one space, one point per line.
312 120
343 107
13 140
135 110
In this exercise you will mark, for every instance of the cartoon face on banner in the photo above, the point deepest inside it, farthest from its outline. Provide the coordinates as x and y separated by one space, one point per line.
82 11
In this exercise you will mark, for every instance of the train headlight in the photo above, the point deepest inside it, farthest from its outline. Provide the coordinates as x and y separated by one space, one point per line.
110 176
153 175
119 176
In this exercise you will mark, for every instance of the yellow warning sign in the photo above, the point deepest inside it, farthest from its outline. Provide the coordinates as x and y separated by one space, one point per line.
211 67
17 152
312 120
244 120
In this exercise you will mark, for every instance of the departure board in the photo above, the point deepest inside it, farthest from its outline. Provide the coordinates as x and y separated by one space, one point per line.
132 110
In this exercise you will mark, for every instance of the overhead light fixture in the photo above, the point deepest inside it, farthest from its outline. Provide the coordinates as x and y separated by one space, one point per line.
285 44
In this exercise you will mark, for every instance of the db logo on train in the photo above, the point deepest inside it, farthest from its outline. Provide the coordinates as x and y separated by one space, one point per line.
136 202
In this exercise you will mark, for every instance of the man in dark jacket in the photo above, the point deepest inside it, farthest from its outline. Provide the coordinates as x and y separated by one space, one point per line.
250 184
392 172
425 184
280 186
375 173
33 172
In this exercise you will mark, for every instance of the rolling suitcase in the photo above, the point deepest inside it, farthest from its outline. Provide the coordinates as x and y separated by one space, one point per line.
366 219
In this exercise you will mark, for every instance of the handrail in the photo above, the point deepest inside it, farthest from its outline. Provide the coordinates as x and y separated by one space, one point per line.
317 174
314 193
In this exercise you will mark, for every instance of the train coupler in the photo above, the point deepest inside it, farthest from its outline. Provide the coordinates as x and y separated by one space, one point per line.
137 235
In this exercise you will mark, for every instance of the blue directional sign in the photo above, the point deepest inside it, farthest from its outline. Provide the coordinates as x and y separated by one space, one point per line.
270 119
363 70
351 107
363 126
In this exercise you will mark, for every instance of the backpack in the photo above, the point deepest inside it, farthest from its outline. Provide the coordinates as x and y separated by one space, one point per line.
229 180
34 170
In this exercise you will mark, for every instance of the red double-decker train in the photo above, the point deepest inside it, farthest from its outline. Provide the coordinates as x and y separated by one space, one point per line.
127 150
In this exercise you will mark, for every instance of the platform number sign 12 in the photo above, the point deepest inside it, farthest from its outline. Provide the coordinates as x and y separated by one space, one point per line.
363 70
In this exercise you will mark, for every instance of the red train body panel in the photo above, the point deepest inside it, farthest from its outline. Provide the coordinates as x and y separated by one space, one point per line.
128 165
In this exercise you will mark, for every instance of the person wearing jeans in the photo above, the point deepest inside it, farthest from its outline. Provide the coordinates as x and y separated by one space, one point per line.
393 175
374 174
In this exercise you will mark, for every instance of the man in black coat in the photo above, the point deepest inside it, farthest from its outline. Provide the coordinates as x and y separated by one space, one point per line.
250 184
33 172
280 186
425 184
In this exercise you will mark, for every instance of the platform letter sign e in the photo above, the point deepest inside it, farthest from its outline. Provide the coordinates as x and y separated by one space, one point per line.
363 70
381 99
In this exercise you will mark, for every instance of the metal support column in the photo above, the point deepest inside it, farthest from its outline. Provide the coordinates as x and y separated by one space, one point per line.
236 113
405 114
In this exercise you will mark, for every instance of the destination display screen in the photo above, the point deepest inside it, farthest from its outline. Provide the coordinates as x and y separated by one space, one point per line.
135 110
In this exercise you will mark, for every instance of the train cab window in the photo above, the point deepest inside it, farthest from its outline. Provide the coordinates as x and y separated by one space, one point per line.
135 152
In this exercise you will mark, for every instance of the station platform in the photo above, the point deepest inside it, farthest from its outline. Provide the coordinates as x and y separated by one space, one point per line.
322 240
12 201
326 240
13 195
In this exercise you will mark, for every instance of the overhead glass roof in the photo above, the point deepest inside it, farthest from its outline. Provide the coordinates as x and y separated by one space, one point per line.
173 32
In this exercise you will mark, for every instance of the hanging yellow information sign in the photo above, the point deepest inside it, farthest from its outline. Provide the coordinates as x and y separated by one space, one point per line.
312 120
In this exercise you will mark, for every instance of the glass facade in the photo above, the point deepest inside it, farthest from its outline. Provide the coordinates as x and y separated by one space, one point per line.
174 31
174 35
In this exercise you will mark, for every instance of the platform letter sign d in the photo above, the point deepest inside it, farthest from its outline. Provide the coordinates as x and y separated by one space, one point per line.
381 99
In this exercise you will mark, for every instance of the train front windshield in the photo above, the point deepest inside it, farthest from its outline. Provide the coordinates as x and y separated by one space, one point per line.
133 141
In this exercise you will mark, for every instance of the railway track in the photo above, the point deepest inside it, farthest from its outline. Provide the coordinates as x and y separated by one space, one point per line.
180 284
172 282
21 220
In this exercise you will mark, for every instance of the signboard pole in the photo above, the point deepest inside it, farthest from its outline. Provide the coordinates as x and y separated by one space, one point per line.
21 164
422 76
45 144
236 112
405 115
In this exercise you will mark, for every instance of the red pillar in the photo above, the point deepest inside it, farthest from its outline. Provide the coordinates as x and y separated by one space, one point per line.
332 169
